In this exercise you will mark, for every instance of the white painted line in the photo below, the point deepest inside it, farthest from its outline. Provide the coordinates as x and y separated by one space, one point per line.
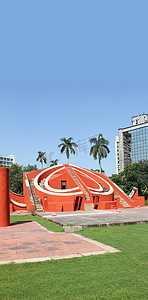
3 262
65 256
93 253
20 261
36 259
48 258
17 203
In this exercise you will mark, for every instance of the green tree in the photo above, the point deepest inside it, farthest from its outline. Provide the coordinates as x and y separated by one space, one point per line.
16 179
68 146
135 175
53 162
99 149
30 168
42 158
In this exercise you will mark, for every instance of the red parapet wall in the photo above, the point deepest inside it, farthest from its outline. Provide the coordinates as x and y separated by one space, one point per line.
17 202
4 197
138 200
55 199
83 188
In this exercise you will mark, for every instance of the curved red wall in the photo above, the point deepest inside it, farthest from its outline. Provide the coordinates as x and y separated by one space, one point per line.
4 197
17 198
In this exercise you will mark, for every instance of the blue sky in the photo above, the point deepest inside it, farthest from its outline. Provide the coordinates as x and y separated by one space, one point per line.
70 68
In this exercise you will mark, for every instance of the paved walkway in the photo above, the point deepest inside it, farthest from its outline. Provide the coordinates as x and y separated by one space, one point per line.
30 242
100 217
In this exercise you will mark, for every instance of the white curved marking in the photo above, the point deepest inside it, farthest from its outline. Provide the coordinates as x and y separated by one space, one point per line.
42 172
97 190
48 187
100 187
110 187
90 188
17 203
52 193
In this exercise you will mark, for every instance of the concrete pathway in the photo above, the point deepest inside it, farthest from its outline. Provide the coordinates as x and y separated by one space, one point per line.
30 242
99 217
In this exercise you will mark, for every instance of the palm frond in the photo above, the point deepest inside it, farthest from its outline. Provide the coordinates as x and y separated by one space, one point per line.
99 149
93 140
72 151
63 148
67 145
91 150
74 145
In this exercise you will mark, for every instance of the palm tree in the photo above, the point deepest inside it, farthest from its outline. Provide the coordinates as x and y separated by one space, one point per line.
99 149
41 157
53 162
67 146
96 170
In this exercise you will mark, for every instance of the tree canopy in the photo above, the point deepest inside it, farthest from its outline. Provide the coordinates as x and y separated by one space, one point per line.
68 146
53 162
42 158
135 175
99 149
30 168
16 177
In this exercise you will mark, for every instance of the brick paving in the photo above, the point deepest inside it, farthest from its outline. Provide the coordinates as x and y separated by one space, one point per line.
30 242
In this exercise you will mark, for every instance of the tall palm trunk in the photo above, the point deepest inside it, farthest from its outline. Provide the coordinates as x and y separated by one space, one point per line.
100 165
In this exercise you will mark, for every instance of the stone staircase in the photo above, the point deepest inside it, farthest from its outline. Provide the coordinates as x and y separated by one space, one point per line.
104 188
79 183
37 201
42 183
122 201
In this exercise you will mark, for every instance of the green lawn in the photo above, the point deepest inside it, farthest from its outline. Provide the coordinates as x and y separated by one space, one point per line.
121 275
26 218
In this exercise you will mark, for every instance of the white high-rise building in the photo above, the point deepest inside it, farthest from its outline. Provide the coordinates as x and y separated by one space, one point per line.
117 154
131 144
7 160
140 119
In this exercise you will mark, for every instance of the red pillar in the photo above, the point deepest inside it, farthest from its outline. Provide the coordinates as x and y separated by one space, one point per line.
4 197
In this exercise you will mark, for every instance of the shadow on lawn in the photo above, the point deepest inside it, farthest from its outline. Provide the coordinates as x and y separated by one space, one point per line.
19 222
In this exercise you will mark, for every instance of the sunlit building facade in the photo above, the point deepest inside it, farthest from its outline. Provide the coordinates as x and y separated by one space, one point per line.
132 143
7 160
